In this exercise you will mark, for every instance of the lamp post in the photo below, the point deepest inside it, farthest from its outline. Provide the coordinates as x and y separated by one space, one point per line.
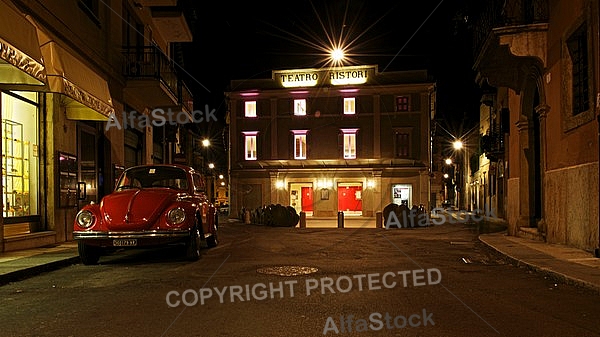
211 184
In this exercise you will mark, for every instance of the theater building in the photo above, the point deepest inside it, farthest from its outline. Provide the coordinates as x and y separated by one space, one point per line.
349 139
66 69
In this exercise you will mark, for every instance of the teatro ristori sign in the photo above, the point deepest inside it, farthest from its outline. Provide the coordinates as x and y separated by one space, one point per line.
324 76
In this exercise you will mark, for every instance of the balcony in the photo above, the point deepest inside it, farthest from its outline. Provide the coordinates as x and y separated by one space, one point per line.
509 36
152 80
171 24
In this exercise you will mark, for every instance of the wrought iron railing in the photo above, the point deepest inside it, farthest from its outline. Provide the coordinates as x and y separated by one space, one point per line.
185 96
150 62
501 13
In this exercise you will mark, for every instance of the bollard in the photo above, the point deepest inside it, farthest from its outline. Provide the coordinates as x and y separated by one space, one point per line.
379 220
302 220
247 217
340 219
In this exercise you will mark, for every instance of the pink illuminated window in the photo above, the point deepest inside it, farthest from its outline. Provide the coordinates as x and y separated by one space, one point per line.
250 108
250 146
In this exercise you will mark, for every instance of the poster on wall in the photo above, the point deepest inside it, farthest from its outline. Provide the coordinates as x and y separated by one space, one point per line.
402 194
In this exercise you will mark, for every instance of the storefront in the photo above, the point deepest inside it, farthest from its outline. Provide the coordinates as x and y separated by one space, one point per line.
22 78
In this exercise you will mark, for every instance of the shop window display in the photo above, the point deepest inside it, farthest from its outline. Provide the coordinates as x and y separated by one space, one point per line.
19 154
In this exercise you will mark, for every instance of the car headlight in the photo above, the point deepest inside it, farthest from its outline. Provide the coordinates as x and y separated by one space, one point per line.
85 218
176 215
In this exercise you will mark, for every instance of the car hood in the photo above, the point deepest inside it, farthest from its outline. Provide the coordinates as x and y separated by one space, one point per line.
135 209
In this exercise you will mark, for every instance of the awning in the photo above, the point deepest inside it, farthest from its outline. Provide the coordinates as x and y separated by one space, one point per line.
88 96
20 56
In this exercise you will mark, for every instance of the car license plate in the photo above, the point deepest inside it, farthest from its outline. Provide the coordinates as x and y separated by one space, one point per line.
124 242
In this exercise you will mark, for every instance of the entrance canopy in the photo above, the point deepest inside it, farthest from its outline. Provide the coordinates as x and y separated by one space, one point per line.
88 96
20 56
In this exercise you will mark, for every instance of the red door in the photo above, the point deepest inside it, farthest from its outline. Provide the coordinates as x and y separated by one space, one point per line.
350 198
307 199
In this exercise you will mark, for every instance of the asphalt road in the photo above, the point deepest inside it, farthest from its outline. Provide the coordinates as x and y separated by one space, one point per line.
436 281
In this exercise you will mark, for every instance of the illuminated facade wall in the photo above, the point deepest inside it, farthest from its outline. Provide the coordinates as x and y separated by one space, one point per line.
545 69
329 140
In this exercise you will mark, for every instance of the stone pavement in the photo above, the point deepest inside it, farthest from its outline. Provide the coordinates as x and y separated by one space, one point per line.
560 262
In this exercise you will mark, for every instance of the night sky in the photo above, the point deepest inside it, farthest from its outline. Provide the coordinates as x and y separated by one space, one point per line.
247 40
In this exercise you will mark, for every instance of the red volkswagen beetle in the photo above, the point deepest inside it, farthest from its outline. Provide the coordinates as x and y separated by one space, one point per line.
151 205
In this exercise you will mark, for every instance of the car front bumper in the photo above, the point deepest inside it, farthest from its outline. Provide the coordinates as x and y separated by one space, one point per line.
153 234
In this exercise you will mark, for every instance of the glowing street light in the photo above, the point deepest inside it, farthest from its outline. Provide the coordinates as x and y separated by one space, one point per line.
211 166
448 161
206 142
457 144
337 55
221 176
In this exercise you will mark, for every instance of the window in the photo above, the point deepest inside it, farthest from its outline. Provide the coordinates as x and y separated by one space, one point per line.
250 146
300 107
250 108
20 153
349 105
300 144
349 143
577 45
402 103
402 144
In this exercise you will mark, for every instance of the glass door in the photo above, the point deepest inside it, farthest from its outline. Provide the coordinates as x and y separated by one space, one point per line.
87 153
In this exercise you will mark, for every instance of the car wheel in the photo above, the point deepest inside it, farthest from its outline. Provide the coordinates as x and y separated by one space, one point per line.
212 241
89 255
192 246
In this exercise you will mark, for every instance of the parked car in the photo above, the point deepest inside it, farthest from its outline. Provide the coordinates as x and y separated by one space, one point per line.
224 209
152 205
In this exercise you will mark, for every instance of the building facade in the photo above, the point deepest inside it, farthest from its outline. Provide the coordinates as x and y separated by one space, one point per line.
541 57
329 140
78 79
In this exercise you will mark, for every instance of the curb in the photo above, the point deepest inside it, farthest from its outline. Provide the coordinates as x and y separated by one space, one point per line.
22 274
552 274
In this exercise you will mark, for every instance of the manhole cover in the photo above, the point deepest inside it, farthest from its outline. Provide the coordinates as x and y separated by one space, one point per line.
287 270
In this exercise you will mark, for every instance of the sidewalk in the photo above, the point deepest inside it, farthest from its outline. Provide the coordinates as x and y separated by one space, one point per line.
564 264
21 264
567 264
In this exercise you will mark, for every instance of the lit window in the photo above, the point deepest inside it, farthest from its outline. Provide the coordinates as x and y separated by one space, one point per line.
349 141
402 103
299 144
299 107
250 109
250 146
349 105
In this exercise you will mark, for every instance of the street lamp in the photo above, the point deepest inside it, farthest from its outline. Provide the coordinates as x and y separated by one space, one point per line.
457 144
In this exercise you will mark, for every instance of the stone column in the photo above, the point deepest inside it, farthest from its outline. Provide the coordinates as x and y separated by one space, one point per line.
542 112
525 219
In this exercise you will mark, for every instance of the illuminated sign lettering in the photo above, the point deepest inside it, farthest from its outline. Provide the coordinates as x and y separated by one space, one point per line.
331 76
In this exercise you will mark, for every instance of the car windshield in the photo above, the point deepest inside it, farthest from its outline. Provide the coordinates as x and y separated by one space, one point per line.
153 177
